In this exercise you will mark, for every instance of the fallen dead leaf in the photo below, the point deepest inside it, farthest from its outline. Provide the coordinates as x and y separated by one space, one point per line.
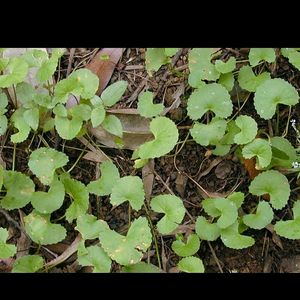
135 130
103 65
180 183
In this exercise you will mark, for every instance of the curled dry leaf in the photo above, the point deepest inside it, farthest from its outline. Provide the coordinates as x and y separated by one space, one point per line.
135 130
103 65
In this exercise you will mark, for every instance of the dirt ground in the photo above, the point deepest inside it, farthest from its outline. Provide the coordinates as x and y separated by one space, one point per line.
182 171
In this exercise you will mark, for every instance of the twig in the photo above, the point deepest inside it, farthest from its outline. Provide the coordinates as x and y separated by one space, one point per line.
215 256
71 57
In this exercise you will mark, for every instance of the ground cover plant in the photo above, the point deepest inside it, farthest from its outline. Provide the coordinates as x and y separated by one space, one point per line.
149 160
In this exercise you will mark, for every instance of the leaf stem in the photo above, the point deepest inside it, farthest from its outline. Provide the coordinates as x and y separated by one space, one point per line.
14 158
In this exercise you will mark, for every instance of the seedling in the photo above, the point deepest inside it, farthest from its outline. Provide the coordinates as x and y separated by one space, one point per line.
146 107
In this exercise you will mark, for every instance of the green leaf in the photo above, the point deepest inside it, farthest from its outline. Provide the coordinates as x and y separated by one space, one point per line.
263 216
296 209
3 125
41 230
261 149
171 51
128 188
44 100
273 183
31 117
191 264
44 161
25 94
211 97
3 63
3 102
293 56
19 123
225 67
232 130
35 57
223 208
155 58
60 110
48 67
209 134
173 209
97 115
227 80
221 150
237 198
94 256
190 248
89 226
141 267
109 176
65 87
146 108
200 65
113 125
1 176
207 231
19 190
232 239
248 127
273 92
78 192
46 203
139 163
28 264
6 250
256 55
228 211
249 81
127 250
88 81
81 112
166 137
288 229
283 153
17 71
113 93
67 129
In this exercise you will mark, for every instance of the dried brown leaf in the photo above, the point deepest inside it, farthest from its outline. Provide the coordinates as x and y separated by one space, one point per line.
135 130
148 178
104 68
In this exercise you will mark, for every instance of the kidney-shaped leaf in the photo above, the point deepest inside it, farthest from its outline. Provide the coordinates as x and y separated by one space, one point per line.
146 107
273 92
211 97
262 217
189 248
109 175
207 231
19 190
89 226
166 137
128 188
209 134
225 67
191 264
6 250
127 250
248 127
273 183
28 264
233 239
258 54
46 203
44 161
41 230
173 209
261 149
